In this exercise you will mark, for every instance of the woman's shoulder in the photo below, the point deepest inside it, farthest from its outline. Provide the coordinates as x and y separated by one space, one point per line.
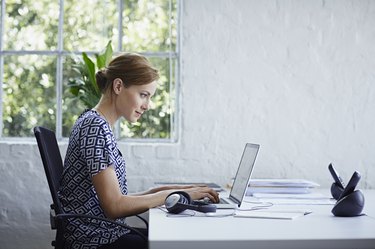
91 119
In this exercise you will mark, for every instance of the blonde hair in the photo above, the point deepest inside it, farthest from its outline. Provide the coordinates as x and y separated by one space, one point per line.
131 68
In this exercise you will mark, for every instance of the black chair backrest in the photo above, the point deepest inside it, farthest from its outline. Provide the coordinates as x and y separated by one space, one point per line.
53 167
52 161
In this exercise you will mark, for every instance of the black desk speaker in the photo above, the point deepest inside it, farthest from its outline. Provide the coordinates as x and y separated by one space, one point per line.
350 205
336 190
350 202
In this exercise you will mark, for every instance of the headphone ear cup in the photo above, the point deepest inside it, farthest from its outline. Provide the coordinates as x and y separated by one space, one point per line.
177 202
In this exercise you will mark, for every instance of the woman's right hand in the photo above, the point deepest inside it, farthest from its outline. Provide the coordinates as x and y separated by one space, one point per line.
202 192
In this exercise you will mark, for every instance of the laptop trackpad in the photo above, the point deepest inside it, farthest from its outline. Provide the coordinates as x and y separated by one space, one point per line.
225 204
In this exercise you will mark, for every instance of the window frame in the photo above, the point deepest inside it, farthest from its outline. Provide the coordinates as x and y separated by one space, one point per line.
172 56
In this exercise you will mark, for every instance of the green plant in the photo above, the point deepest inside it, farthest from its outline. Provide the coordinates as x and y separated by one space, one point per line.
84 86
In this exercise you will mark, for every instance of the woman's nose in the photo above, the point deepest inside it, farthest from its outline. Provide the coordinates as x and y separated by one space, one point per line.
146 105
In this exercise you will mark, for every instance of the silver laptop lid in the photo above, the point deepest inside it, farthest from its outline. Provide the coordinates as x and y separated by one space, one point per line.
243 174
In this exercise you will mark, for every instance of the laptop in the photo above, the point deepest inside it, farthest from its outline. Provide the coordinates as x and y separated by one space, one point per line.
241 180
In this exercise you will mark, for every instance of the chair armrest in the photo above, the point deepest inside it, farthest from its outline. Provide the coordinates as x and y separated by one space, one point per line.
70 216
52 219
52 216
143 219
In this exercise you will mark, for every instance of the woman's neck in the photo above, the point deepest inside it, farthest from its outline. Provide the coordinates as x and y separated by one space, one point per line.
106 110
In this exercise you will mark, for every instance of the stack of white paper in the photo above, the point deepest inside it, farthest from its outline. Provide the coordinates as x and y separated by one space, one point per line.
295 199
280 186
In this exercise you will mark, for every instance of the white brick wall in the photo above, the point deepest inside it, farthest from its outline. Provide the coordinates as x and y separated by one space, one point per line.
295 76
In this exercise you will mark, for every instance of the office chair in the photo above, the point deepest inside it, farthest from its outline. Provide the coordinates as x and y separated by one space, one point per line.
53 167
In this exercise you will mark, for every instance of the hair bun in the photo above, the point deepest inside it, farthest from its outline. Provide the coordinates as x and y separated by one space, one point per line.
101 79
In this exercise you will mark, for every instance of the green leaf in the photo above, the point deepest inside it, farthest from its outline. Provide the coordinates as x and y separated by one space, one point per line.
74 90
90 67
103 59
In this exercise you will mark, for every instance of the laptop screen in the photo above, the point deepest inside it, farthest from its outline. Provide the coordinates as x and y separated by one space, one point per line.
243 174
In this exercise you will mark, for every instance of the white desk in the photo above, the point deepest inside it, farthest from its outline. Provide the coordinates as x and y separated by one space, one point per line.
317 230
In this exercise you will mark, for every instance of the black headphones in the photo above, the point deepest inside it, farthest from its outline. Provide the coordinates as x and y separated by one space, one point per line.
179 201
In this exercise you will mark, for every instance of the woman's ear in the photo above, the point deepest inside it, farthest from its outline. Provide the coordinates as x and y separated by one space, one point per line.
117 85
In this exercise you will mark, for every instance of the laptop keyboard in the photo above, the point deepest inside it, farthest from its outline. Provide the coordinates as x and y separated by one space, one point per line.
223 201
208 201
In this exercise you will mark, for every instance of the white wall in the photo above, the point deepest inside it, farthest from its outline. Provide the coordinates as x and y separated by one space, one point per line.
295 76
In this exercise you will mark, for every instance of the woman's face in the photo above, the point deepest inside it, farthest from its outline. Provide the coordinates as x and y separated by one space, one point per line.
133 101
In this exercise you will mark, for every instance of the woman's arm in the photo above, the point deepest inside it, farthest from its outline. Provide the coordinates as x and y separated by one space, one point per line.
167 187
116 205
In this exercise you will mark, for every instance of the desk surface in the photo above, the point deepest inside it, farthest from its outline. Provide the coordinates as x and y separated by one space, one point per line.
320 229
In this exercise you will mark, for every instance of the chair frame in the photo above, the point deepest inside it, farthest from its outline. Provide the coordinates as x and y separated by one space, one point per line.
53 167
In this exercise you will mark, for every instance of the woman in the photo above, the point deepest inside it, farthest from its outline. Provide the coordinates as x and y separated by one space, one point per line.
94 177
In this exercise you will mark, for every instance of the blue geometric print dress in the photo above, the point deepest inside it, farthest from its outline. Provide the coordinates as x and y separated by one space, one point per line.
92 148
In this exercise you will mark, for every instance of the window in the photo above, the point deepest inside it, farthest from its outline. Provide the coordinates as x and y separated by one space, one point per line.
40 40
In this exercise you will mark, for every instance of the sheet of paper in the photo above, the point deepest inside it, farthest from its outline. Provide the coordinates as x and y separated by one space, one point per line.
309 196
289 201
292 199
269 214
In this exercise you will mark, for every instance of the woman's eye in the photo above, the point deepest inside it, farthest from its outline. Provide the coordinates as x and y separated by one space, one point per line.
143 95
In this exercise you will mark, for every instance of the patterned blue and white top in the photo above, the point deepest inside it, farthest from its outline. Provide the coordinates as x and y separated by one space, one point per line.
92 148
